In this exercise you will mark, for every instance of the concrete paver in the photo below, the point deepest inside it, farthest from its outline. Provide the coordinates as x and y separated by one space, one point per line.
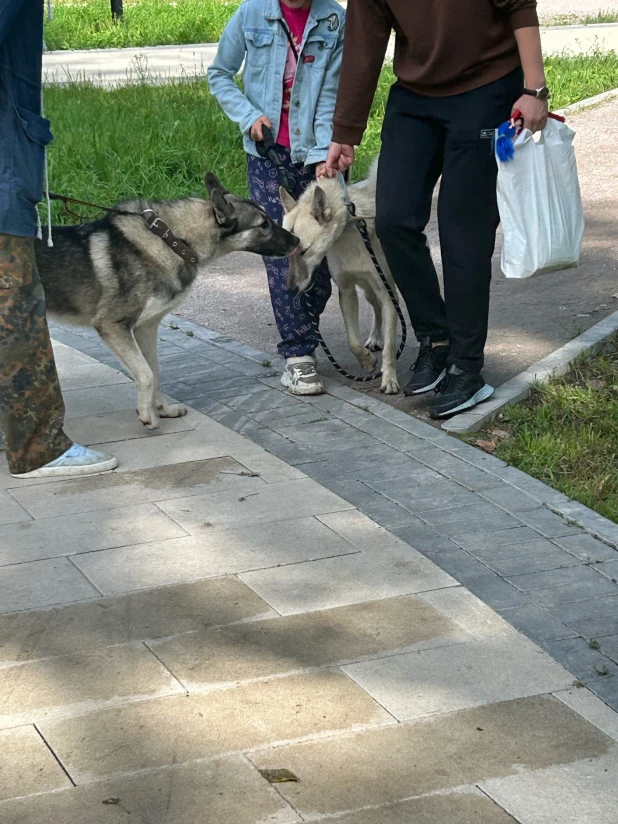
230 789
261 649
454 678
42 584
277 626
137 616
178 729
393 763
346 579
208 554
70 534
554 795
459 807
27 765
54 686
10 511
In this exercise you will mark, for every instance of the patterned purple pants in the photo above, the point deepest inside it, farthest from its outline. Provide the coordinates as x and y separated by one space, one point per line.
293 322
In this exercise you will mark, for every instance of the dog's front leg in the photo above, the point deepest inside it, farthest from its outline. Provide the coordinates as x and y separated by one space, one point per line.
146 336
121 341
390 384
348 301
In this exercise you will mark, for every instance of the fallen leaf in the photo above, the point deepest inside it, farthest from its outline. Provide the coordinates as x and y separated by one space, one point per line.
488 446
596 384
278 776
500 433
112 800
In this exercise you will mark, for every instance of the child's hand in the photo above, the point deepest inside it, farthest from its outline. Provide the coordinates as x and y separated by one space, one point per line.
256 130
320 170
340 157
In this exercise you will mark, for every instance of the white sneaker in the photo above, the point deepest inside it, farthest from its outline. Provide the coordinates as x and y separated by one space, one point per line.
78 460
300 376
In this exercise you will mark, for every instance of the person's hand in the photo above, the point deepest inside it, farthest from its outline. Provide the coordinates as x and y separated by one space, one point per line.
340 158
320 170
255 132
534 112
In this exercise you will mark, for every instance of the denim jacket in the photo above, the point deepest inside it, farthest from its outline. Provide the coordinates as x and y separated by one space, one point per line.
23 132
255 32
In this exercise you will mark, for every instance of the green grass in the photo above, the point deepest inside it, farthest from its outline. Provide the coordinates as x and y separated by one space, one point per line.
582 19
579 77
87 24
567 433
147 140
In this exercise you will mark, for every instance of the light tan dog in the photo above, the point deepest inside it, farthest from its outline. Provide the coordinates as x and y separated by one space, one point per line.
321 220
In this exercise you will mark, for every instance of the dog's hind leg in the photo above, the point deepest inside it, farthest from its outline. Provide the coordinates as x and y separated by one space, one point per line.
121 341
348 301
146 336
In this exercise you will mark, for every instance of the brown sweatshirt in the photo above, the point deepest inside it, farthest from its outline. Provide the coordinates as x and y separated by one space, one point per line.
442 47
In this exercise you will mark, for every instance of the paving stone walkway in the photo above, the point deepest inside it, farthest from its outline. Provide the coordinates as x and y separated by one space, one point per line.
274 583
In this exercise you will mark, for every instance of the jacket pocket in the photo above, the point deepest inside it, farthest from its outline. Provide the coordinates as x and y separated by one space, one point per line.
320 48
33 135
259 46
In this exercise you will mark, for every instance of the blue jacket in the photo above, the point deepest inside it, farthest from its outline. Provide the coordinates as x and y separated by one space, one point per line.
255 32
23 132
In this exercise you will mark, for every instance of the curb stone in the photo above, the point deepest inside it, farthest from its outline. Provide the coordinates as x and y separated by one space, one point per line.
518 388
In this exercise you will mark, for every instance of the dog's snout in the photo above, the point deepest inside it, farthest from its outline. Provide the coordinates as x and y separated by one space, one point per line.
294 245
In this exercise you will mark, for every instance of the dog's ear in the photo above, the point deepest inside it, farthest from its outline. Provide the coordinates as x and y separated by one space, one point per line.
222 208
212 183
287 201
319 209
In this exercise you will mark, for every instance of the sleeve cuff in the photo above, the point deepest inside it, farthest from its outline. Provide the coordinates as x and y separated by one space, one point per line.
350 135
524 19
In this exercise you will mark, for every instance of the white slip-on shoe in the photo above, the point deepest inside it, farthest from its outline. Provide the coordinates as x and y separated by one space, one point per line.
77 460
300 376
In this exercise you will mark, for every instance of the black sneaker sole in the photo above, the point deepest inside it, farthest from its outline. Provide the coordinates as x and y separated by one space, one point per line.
410 392
483 394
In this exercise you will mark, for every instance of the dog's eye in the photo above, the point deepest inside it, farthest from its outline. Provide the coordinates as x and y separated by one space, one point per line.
264 223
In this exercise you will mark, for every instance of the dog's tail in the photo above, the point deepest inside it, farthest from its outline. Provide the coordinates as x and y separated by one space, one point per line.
370 182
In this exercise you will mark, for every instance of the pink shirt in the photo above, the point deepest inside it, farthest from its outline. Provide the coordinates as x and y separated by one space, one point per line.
296 20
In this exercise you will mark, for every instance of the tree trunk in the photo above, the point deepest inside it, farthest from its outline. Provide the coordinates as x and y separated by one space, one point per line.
116 9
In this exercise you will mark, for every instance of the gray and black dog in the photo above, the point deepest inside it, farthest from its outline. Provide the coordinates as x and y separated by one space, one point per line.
122 274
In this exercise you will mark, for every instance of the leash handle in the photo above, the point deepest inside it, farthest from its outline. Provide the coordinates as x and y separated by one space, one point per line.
266 149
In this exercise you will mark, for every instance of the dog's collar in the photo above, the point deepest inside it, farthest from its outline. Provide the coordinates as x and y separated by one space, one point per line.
350 206
160 228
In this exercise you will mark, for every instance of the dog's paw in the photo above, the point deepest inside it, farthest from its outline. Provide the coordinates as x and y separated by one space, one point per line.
171 410
367 360
389 385
149 418
374 344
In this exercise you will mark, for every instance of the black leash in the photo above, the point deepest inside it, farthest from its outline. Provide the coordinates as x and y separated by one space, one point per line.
156 224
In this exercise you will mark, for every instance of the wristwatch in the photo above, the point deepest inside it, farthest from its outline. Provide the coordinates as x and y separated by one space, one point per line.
541 94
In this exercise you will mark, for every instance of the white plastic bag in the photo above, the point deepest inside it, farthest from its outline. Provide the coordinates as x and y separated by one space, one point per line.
540 203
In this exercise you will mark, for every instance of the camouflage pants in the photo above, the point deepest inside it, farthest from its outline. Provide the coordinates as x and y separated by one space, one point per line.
31 405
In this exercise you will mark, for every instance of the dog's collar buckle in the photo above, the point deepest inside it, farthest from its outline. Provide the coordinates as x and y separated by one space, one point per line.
160 228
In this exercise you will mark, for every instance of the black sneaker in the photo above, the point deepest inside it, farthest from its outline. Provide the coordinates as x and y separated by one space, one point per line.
429 369
460 390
